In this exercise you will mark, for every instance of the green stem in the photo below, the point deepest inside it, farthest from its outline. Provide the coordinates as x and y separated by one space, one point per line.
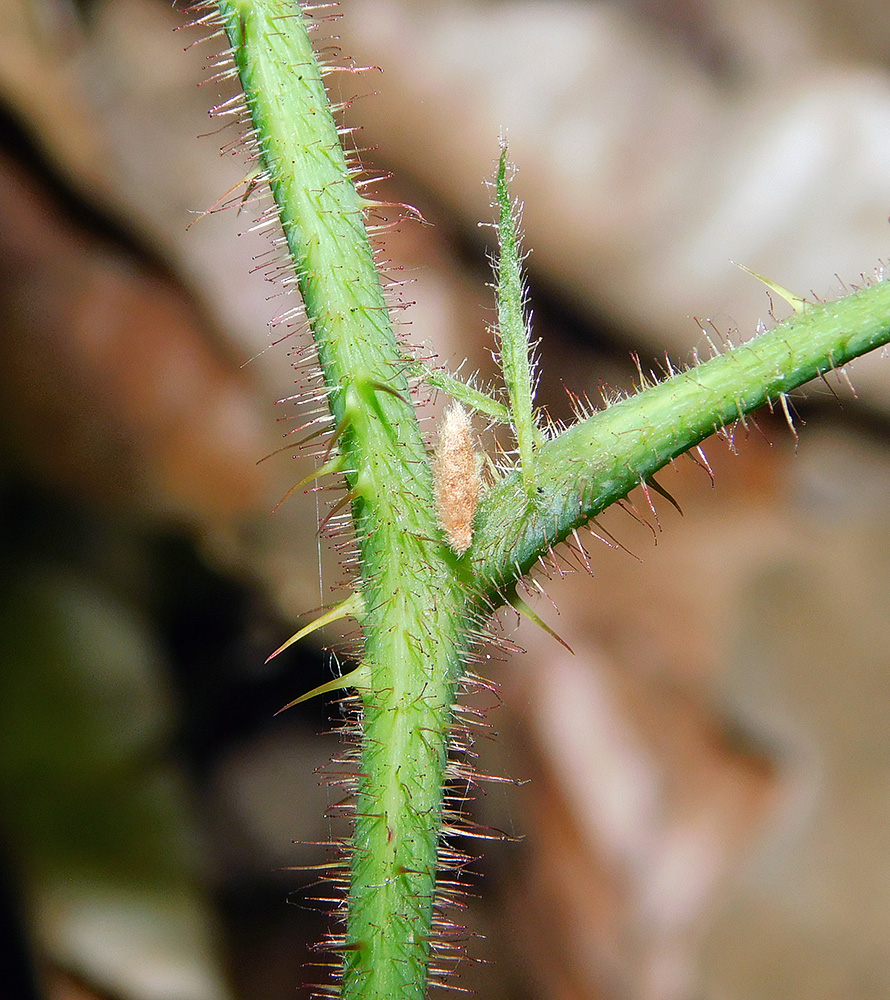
415 602
600 460
463 392
513 331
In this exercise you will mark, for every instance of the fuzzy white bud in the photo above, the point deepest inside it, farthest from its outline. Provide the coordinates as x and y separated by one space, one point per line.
458 481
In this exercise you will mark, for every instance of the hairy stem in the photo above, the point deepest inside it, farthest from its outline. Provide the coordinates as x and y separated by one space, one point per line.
513 331
413 598
599 460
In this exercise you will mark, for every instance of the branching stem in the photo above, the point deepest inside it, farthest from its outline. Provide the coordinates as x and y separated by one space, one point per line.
598 461
421 603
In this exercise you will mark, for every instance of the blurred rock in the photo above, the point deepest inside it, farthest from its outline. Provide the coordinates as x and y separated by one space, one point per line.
94 816
807 669
110 385
644 170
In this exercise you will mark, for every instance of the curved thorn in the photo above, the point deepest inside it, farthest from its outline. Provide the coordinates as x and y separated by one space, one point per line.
336 464
518 605
357 678
661 491
795 301
352 607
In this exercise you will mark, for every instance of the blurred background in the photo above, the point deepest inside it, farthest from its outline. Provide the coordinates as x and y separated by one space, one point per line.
707 780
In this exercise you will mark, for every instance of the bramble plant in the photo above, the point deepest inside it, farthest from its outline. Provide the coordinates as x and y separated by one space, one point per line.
437 550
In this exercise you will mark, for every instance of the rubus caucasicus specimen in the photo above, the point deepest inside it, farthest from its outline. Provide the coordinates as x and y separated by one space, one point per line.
437 550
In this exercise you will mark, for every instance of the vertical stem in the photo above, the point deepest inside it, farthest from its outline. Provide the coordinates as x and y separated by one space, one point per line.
413 598
513 331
